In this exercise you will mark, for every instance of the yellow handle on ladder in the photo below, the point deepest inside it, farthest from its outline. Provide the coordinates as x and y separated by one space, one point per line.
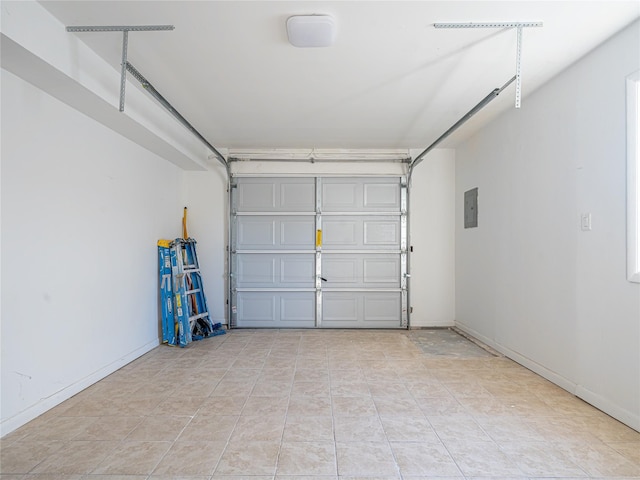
185 235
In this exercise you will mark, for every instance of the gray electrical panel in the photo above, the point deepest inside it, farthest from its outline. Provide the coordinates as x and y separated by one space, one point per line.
471 208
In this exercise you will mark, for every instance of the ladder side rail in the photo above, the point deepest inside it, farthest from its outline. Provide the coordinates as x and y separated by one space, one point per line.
166 295
181 306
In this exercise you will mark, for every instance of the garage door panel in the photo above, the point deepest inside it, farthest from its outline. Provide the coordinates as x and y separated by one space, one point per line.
256 197
381 196
339 195
340 233
256 232
357 270
340 309
257 309
279 270
381 232
361 310
284 232
360 232
297 270
299 196
361 195
383 307
256 270
297 232
276 309
341 270
382 271
298 309
306 259
275 195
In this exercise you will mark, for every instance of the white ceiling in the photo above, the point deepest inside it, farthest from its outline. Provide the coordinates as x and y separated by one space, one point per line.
391 80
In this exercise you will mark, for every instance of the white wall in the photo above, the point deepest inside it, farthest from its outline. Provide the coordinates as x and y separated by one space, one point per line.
528 280
82 209
432 220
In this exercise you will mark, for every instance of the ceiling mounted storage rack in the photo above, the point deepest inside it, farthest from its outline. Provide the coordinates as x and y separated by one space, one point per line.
517 25
493 94
126 66
125 29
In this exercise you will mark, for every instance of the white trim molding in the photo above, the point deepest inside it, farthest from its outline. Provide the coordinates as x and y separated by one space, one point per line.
633 177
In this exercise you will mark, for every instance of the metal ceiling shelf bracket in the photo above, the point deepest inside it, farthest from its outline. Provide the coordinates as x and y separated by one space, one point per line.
518 69
488 25
120 28
127 67
125 29
518 26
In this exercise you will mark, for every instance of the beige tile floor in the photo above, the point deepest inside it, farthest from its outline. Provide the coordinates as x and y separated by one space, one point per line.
323 405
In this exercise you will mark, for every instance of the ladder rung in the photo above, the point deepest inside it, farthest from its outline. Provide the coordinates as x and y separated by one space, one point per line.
191 270
191 292
200 315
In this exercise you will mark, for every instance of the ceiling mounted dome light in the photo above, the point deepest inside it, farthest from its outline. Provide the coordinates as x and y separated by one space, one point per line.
311 30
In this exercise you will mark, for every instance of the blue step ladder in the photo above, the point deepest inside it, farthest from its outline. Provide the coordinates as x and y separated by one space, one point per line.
166 292
185 317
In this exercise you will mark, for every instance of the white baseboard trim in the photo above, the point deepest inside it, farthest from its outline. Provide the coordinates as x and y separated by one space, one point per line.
433 324
10 424
541 370
626 417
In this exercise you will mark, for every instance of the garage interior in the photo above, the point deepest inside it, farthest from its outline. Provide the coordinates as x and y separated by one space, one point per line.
312 221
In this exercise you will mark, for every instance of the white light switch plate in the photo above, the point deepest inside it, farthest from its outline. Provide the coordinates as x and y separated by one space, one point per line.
585 222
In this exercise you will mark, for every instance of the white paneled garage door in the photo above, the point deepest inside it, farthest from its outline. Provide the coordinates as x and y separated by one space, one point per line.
318 252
